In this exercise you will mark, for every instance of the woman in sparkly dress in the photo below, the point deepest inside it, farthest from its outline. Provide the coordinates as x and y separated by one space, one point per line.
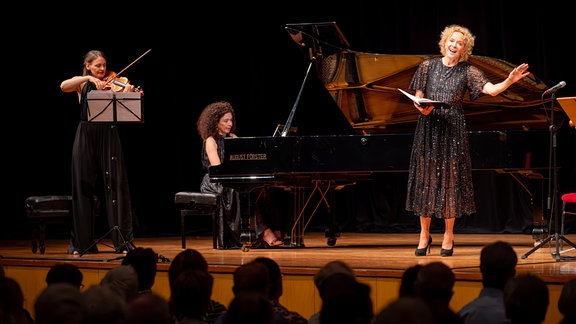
440 173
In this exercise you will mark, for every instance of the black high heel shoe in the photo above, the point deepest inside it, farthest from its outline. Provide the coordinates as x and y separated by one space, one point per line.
425 250
447 252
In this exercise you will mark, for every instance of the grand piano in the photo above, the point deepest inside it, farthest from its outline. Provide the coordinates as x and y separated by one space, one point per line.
366 130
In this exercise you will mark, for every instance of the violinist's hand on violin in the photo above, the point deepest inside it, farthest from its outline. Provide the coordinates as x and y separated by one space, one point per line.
100 84
128 88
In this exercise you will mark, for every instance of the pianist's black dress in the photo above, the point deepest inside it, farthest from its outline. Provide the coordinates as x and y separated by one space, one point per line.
229 213
440 174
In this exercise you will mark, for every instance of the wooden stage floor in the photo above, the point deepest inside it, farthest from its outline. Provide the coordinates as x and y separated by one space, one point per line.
371 255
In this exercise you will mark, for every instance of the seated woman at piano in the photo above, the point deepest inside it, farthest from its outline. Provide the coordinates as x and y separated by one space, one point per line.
216 122
440 172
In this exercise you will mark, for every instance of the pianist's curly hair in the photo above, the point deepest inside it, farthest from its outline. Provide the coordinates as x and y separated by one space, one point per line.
468 38
207 123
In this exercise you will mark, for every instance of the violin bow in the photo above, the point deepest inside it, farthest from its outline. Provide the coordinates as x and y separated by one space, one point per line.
136 60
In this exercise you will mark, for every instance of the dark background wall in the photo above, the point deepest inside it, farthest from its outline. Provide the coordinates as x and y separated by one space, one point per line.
239 52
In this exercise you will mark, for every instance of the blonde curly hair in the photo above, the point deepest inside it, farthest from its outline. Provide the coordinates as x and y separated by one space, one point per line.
468 40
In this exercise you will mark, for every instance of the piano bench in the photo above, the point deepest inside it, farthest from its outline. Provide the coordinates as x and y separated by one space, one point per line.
46 209
194 204
567 198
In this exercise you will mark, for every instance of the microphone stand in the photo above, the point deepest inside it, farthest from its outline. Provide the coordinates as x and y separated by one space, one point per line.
552 199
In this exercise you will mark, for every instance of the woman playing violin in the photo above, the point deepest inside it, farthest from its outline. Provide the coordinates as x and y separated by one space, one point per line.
97 165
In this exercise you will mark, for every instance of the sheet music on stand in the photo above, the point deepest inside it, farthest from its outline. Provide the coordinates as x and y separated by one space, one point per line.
111 106
280 128
568 104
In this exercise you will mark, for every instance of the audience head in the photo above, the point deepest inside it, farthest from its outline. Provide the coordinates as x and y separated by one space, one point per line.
11 301
103 305
435 281
497 264
249 306
190 295
526 299
567 302
187 259
123 280
148 309
345 300
60 303
65 272
144 261
407 281
331 268
251 276
275 289
406 309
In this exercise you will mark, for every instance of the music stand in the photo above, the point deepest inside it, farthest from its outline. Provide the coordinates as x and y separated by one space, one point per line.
110 106
113 107
569 106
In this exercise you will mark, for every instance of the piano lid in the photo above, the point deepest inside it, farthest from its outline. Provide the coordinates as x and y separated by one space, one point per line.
364 85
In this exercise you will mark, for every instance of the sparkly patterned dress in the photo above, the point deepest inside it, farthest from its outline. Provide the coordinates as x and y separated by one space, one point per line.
440 174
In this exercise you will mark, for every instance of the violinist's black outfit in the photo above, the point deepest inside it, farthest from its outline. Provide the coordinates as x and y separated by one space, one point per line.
98 170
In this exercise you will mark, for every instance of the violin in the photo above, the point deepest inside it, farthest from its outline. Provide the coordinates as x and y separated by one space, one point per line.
118 84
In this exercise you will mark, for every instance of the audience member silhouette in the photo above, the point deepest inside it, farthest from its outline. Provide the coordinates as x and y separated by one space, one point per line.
497 264
327 270
65 272
435 284
252 277
249 306
148 309
144 261
103 305
186 259
60 303
275 291
12 308
192 259
407 281
567 302
123 280
407 309
526 299
331 268
190 296
345 300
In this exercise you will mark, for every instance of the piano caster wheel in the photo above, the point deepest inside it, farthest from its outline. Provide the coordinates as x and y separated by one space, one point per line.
331 241
245 248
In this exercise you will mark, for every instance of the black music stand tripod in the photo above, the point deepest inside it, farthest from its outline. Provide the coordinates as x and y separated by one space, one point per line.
110 106
552 200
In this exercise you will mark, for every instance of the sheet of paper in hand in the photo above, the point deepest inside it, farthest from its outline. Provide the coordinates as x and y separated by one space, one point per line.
422 101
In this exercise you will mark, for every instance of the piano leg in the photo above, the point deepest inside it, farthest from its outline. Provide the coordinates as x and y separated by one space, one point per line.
247 225
302 200
332 232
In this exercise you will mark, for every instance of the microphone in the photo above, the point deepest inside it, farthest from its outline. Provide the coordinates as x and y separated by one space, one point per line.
560 84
